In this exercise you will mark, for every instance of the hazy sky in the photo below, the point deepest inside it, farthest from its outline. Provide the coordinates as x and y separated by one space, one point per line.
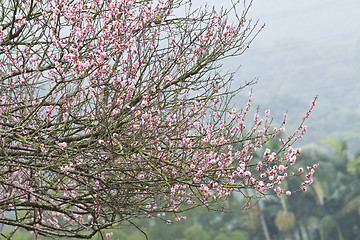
293 26
315 20
308 48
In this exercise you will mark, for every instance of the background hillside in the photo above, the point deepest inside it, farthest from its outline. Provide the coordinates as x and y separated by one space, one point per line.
307 48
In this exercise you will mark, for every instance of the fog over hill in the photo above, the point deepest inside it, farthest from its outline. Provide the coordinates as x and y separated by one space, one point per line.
308 48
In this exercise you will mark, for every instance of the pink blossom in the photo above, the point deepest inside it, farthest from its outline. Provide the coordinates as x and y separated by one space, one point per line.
62 145
64 168
42 147
247 174
129 91
281 168
18 16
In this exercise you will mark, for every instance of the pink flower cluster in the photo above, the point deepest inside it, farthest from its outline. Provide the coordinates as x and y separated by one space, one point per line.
111 109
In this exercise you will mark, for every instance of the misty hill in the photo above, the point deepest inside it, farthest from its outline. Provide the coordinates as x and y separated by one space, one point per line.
307 48
291 75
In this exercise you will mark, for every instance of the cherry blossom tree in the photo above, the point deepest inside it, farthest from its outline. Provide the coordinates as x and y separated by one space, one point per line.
112 110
